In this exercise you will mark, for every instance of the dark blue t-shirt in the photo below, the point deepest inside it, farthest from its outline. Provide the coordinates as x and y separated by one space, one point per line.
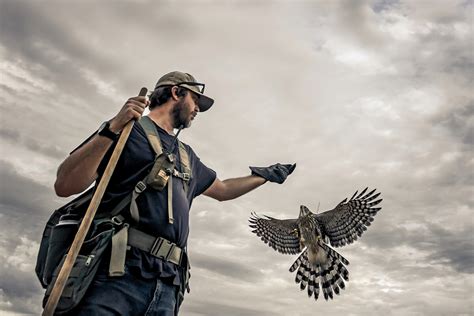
134 164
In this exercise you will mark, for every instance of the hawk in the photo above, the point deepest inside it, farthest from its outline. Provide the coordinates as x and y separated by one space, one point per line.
319 265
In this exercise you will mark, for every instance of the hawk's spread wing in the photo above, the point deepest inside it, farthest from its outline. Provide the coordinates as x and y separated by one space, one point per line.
278 234
349 219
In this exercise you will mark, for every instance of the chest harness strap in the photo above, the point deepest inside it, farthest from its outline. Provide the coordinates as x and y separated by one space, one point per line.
154 139
129 236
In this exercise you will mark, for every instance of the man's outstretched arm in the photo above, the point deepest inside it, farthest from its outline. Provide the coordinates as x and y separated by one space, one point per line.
233 188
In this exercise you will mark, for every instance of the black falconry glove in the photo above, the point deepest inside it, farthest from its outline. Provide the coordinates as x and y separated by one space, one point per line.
274 173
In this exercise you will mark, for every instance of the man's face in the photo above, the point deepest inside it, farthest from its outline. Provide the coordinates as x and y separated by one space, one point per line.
185 110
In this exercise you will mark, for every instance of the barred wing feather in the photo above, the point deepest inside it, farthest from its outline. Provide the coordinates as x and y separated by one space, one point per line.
277 233
349 219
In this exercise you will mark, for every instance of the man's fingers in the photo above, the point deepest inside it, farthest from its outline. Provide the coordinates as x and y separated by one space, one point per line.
137 108
142 99
134 111
136 114
137 102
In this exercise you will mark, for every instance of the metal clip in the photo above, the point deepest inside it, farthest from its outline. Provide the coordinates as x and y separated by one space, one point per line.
116 220
140 187
89 260
186 176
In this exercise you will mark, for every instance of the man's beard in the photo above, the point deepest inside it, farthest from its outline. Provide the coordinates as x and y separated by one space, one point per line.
180 115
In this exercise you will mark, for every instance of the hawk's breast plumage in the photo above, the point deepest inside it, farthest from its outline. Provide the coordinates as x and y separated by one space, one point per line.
320 267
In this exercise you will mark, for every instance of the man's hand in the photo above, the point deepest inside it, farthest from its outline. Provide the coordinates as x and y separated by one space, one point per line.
274 173
132 110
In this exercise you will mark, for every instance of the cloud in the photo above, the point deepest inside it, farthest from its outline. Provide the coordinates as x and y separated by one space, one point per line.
367 93
225 267
459 122
20 288
14 136
447 247
23 195
211 308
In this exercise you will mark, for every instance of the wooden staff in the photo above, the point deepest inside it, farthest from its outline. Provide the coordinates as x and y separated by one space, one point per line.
58 288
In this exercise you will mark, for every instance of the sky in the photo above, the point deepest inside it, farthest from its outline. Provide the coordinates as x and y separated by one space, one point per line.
359 94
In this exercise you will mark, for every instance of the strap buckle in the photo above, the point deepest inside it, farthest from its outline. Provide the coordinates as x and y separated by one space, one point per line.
155 248
140 187
166 250
168 255
117 220
182 175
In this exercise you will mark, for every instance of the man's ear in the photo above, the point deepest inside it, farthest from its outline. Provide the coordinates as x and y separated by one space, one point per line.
174 93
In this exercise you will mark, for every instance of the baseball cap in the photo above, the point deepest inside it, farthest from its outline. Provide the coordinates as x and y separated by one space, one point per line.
185 80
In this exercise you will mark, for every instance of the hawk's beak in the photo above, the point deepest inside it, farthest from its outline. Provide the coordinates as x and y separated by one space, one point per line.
304 211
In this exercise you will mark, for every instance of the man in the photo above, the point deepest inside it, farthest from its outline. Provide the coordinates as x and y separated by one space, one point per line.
151 284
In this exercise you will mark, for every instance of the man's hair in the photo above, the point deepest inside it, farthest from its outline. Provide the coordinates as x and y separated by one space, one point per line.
163 94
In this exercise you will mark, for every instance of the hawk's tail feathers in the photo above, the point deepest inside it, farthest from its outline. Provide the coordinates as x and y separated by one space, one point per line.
328 278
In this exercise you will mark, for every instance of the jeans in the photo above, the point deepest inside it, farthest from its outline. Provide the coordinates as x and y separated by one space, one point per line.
128 295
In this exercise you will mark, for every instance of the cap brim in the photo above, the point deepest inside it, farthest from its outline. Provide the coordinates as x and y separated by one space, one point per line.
204 102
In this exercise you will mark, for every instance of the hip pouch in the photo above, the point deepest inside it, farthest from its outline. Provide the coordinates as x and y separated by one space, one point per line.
85 266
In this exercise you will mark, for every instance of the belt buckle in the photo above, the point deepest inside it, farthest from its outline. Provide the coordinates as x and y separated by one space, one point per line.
168 255
156 246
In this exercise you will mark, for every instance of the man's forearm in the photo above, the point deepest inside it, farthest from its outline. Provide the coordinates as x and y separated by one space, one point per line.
79 170
235 187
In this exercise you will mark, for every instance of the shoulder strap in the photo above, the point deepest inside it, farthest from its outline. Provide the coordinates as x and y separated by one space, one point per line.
151 134
154 139
185 164
184 159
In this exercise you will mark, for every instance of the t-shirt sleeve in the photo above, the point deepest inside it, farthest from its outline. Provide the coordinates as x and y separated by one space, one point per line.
83 143
105 160
203 175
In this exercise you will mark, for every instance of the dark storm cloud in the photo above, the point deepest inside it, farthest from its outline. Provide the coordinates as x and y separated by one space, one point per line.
29 31
208 308
459 122
453 248
225 267
19 287
452 57
25 206
13 136
49 48
380 5
23 194
453 176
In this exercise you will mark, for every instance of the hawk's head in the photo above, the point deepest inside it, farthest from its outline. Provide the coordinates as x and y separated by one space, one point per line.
304 211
